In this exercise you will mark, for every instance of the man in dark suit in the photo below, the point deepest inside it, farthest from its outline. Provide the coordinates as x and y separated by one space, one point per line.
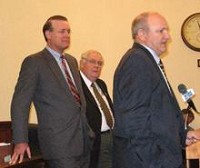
90 68
149 129
43 80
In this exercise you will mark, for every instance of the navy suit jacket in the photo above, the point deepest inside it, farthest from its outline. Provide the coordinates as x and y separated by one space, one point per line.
63 129
94 117
146 113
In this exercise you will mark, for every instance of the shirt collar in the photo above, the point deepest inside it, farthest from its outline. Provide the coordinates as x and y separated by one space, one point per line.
86 80
153 53
55 54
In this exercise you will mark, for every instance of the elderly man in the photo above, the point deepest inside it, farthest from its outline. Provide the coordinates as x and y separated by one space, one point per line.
98 109
149 128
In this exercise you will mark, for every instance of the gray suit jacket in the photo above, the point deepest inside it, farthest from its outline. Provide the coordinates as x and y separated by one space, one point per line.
63 129
146 113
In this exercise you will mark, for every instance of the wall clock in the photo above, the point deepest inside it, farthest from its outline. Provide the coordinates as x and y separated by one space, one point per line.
190 31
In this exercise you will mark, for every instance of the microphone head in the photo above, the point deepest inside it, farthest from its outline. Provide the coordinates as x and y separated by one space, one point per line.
182 88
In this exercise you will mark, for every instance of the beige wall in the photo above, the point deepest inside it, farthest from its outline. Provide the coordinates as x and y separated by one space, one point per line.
98 24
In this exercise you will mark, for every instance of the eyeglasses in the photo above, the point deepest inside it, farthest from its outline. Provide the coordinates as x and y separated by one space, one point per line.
94 62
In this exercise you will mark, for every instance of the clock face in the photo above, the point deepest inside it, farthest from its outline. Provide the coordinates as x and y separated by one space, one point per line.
190 32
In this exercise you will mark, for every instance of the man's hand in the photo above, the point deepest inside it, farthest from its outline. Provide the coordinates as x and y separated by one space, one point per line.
18 154
192 136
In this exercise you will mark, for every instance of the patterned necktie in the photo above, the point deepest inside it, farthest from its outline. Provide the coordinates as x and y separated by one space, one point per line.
162 68
103 106
70 83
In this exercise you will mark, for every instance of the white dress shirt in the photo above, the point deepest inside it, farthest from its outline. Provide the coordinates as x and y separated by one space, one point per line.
104 125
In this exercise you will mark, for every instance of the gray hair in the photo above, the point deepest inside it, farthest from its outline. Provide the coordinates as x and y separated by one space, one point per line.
88 52
140 22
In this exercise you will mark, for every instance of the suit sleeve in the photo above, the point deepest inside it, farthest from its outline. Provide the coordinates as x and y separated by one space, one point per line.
133 87
22 99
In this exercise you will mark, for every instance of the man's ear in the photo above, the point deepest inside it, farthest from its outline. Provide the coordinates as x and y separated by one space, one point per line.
142 34
47 34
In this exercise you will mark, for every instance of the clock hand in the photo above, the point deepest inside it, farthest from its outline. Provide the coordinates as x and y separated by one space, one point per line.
198 24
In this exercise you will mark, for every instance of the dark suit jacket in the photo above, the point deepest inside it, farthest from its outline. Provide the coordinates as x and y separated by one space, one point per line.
61 120
146 113
94 118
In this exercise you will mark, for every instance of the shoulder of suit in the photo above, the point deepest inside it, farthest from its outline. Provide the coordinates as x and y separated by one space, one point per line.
33 57
101 83
70 56
39 54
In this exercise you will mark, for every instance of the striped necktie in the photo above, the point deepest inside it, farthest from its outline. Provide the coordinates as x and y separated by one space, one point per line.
70 83
103 106
165 76
162 68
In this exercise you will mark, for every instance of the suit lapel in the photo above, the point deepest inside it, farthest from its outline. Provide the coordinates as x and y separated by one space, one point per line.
53 65
156 67
73 69
105 92
88 93
90 97
76 76
171 94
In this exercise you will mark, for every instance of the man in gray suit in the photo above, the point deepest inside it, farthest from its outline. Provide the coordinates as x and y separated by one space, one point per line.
149 129
53 84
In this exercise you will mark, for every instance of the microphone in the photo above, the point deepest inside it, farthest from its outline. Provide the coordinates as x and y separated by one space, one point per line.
187 94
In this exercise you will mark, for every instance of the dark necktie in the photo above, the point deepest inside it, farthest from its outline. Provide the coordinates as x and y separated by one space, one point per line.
70 83
103 106
162 68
